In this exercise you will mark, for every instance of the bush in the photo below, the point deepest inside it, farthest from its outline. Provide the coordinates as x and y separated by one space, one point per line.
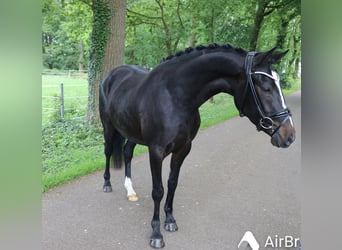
64 142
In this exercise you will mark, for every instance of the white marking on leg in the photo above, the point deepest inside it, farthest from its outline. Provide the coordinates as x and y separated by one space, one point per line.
131 195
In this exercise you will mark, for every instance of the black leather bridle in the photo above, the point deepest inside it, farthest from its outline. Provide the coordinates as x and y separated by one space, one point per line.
266 122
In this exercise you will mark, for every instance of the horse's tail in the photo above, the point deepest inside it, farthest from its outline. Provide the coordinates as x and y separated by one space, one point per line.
118 145
113 139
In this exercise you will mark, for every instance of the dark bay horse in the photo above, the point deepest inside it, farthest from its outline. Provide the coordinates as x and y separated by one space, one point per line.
159 109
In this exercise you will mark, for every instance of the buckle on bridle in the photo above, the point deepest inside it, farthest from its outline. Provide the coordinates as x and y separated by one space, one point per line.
267 123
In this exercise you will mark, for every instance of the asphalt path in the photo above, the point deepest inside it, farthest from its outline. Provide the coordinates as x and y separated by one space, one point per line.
233 181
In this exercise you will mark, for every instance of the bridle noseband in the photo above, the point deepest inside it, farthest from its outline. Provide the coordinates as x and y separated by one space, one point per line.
266 121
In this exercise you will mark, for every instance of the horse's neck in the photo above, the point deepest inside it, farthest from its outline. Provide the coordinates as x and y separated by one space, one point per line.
209 75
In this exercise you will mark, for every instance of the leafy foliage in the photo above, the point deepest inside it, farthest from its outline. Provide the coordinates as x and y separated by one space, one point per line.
63 142
189 23
100 33
157 28
66 31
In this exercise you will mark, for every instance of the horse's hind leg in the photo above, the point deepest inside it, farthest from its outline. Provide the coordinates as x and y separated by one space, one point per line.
128 154
176 163
108 136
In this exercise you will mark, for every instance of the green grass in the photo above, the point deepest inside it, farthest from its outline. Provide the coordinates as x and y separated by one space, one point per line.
75 97
71 149
221 109
74 171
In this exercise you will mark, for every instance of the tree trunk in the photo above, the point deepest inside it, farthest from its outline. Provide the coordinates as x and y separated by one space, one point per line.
193 33
115 49
296 53
258 19
212 26
107 48
296 73
192 39
168 40
282 34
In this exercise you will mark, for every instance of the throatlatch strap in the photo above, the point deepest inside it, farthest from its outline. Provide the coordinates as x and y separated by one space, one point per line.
248 71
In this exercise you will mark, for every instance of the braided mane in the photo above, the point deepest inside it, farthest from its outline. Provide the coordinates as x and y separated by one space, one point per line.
202 47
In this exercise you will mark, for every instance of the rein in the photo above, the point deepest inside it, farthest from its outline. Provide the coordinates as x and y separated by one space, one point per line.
266 121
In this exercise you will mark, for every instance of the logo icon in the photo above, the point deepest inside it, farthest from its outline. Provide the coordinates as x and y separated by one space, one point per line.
250 239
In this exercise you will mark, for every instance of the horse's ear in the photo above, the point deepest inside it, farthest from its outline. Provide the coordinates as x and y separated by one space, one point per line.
276 57
261 57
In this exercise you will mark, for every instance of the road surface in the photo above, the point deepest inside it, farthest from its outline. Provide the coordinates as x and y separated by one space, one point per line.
233 181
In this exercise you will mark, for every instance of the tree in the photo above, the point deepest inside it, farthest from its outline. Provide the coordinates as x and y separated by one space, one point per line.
107 48
78 27
289 36
277 23
65 33
50 32
263 9
158 21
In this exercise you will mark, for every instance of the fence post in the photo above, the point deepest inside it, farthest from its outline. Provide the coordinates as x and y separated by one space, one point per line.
62 101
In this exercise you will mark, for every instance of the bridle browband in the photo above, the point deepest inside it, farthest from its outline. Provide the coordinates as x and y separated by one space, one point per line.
266 121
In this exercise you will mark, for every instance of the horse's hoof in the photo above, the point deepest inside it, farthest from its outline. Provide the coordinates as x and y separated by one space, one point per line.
171 227
132 197
107 189
157 243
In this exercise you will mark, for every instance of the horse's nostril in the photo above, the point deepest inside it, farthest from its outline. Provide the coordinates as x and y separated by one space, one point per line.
291 139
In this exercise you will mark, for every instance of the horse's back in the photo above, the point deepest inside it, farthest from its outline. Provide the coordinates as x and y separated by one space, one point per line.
119 102
125 75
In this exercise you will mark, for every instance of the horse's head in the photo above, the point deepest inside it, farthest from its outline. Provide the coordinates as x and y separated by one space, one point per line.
262 100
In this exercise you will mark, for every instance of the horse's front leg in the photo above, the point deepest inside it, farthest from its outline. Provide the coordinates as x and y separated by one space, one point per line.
156 159
176 163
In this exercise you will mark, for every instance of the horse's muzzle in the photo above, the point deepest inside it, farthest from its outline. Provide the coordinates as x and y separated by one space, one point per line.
280 141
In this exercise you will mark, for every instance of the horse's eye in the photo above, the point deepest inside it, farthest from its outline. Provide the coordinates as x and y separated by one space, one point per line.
266 89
